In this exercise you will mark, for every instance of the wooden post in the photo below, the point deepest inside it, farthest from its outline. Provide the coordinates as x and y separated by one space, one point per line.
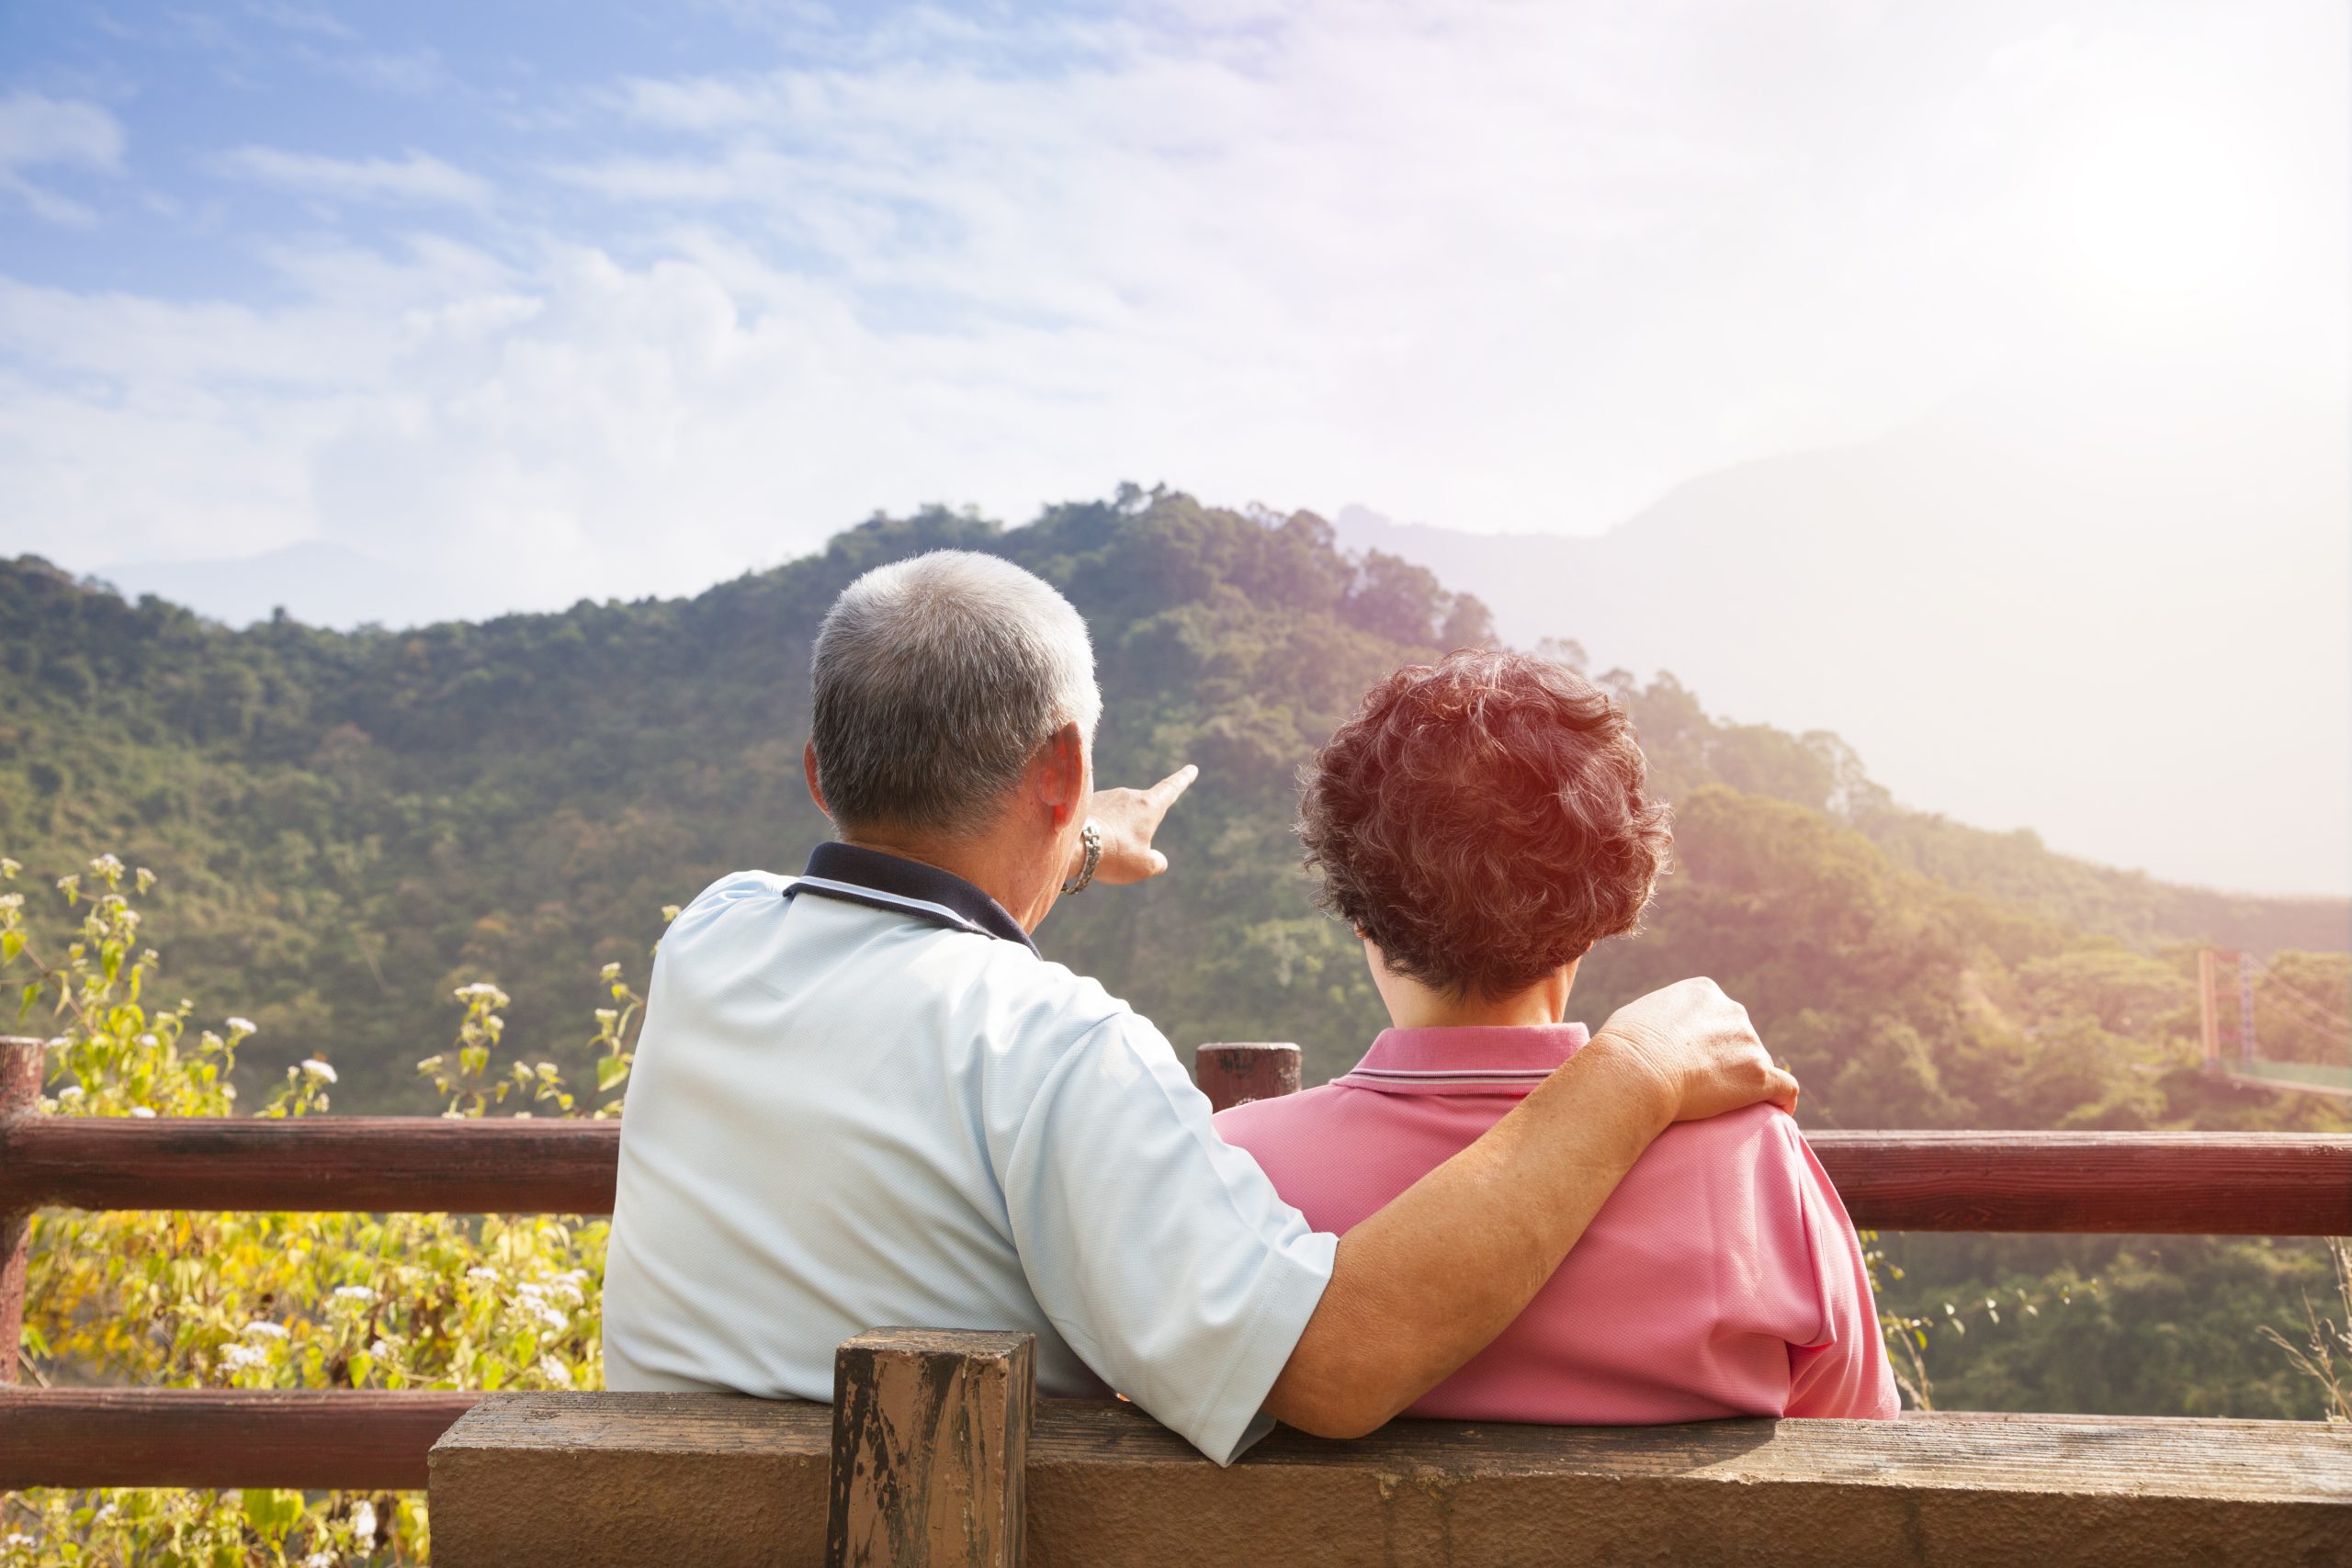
2209 1012
20 1073
931 1449
1237 1073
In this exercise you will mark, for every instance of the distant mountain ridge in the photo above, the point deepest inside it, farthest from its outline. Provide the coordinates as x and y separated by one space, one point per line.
318 581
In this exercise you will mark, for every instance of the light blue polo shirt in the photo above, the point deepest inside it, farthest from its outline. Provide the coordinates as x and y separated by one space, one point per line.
862 1099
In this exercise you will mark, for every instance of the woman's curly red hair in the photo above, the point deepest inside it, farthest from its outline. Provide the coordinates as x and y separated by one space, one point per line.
1482 820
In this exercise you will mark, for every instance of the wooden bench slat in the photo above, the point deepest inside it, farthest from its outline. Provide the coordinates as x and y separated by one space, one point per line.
1110 1488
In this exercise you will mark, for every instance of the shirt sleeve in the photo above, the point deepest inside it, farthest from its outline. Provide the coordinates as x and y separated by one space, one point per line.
1844 1372
1159 1251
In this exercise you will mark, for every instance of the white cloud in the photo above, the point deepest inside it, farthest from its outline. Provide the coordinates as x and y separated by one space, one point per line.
38 131
416 178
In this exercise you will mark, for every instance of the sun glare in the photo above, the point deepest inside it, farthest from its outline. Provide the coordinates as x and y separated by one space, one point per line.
2161 210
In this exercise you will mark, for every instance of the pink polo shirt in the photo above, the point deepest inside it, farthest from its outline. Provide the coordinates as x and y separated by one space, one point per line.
1722 1277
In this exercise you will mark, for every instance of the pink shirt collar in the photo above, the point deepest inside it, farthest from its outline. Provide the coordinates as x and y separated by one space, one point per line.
1487 1059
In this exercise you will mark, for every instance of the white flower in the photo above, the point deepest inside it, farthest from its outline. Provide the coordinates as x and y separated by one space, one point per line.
363 1520
12 900
317 1069
70 1091
360 1294
555 1372
321 1558
228 1091
144 1113
105 1514
19 1537
481 1276
243 1357
607 1015
10 867
378 1348
243 1026
148 1040
262 1329
106 865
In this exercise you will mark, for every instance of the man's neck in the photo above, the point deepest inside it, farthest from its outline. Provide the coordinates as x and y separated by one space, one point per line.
1006 871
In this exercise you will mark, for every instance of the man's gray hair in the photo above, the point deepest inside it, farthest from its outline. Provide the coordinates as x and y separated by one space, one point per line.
937 679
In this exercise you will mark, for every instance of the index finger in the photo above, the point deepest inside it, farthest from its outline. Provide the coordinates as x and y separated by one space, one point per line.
1163 795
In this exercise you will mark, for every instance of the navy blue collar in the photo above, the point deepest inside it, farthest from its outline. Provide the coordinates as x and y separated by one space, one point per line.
859 875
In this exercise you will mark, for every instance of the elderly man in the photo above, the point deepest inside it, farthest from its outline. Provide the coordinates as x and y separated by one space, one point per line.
862 1097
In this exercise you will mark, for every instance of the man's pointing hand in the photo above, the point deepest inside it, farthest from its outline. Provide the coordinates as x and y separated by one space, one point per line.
1128 819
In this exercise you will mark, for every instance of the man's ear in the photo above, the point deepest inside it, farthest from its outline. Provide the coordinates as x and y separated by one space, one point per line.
809 770
1059 773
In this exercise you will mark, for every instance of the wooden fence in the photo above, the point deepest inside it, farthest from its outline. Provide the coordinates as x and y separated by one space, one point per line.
2275 1184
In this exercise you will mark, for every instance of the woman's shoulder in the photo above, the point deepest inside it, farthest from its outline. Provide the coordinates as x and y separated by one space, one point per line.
1758 1148
1764 1128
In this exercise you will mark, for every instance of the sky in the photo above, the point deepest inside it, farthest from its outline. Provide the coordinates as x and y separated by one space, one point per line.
532 302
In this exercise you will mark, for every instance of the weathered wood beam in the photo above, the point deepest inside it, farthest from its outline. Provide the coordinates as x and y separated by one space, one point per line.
930 1449
365 1439
2175 1183
590 1480
1237 1072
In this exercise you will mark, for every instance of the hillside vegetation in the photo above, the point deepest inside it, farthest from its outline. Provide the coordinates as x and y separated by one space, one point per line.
349 826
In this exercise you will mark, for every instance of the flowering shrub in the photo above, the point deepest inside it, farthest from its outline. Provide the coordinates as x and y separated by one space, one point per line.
273 1301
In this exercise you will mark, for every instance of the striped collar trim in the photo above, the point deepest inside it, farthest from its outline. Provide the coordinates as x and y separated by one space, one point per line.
856 875
1464 1060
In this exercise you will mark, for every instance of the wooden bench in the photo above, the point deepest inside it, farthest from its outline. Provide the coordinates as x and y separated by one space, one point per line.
921 1465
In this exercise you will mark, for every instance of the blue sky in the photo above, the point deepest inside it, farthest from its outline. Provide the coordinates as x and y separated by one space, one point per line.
523 303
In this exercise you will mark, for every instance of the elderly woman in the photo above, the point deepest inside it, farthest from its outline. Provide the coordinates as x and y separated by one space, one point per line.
1481 823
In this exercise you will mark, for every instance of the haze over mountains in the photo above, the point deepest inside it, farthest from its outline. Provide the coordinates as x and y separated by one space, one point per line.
2115 610
2121 621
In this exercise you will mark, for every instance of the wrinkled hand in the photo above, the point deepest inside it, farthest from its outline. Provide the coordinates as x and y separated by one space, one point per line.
1703 1049
1128 819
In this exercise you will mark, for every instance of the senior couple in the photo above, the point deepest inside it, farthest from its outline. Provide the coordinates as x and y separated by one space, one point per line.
863 1098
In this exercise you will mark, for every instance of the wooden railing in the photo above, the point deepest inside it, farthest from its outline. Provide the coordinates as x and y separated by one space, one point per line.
2239 1184
2174 1183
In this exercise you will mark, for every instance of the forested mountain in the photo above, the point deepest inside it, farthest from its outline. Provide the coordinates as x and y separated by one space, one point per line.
349 824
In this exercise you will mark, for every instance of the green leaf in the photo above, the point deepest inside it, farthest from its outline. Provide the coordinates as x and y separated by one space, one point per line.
610 1070
272 1512
32 994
